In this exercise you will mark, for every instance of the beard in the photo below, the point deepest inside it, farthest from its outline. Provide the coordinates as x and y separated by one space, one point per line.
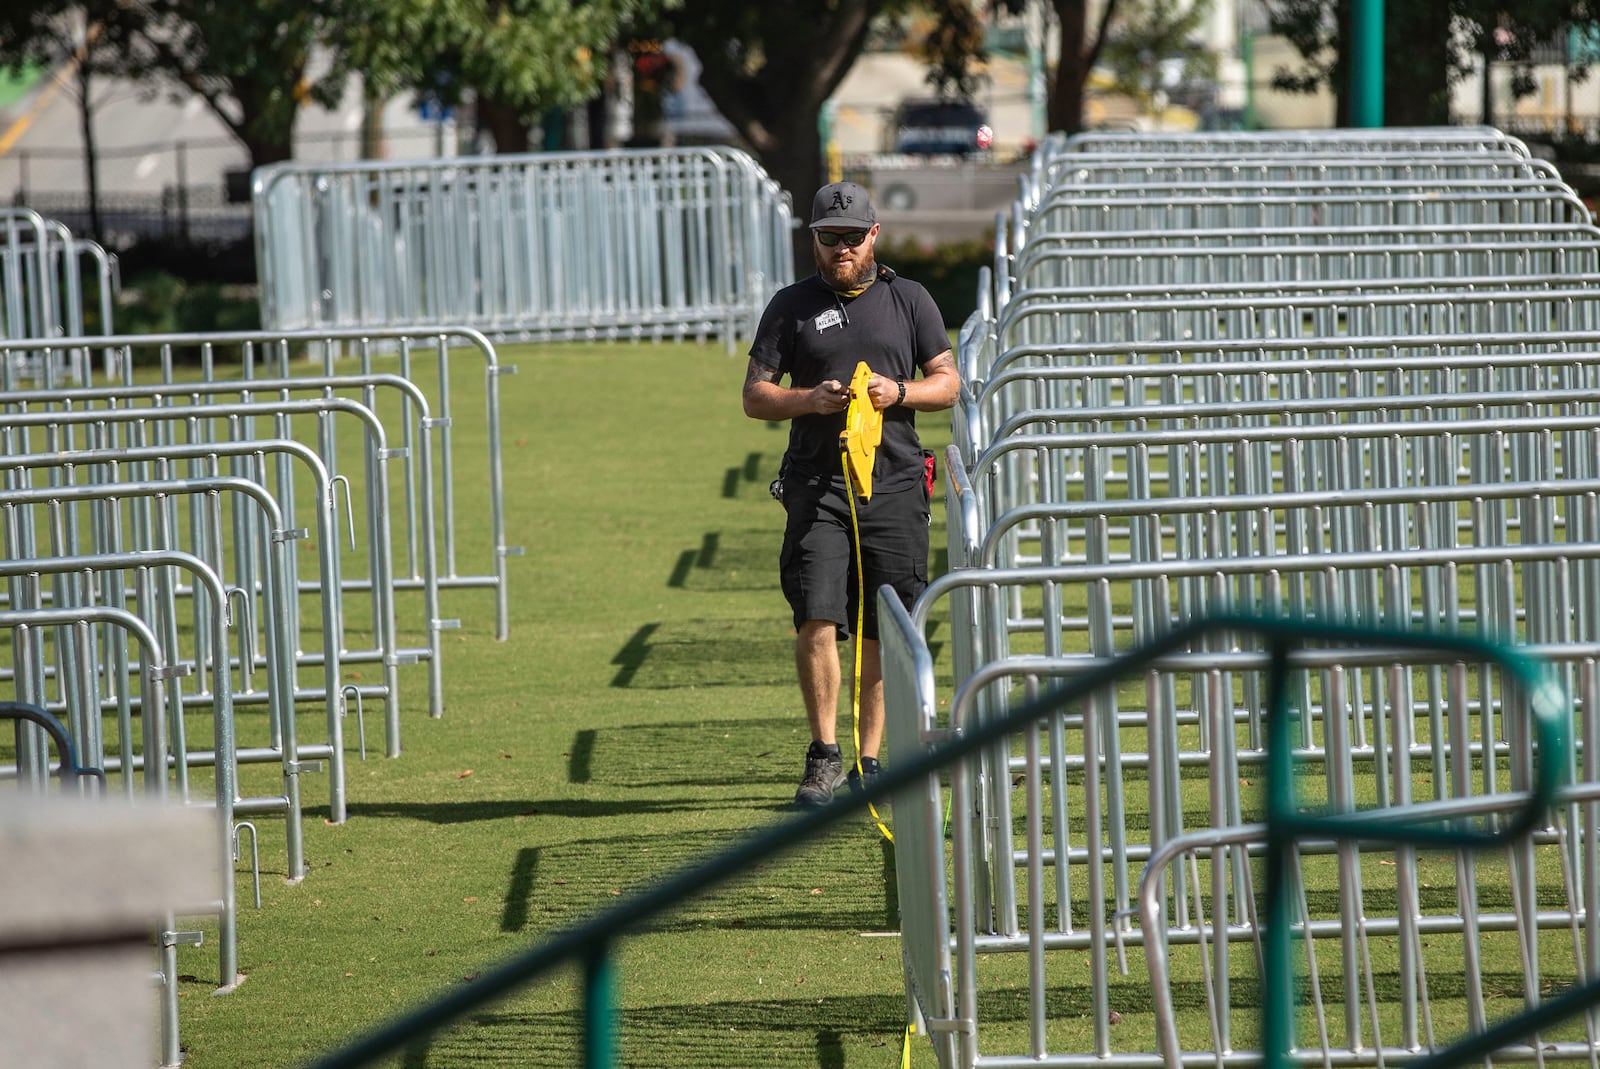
845 275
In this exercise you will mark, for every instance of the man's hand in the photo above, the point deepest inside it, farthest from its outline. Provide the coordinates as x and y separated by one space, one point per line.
829 397
884 392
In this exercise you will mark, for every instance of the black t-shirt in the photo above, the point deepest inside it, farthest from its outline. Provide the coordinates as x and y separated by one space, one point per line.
813 334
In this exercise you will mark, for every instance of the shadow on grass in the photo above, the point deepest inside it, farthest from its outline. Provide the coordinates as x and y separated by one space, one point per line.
474 812
727 1034
839 882
747 560
707 653
757 472
693 755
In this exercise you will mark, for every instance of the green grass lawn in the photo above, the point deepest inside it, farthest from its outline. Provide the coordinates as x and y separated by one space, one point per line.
642 715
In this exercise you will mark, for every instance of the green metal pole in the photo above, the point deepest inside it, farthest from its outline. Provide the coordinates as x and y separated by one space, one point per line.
599 1009
1277 1024
1247 54
1366 63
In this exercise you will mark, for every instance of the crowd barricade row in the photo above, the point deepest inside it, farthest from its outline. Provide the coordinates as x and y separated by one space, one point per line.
43 270
1347 378
423 357
1154 169
639 243
1199 256
1045 907
144 494
163 427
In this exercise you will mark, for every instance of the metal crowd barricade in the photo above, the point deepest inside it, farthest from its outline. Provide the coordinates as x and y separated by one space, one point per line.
1139 168
1147 298
77 674
1353 210
246 356
1422 141
1068 888
161 424
1342 384
81 729
1428 306
421 499
646 243
1263 254
82 740
1248 369
22 574
102 467
41 288
1322 446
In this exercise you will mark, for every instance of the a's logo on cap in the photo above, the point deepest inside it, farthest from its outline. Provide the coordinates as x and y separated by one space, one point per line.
840 201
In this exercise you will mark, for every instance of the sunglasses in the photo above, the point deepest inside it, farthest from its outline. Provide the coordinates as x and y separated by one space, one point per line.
851 238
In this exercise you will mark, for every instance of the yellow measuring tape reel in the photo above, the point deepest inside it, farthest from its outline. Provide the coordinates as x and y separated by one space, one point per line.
858 451
863 430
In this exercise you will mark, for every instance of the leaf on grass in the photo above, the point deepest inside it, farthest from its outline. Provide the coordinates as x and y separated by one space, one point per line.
470 898
816 890
465 774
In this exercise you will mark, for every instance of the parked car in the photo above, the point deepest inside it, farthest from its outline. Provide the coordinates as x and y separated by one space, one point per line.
929 127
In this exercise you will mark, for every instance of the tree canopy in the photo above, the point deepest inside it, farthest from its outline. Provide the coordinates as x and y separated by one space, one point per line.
256 64
1430 46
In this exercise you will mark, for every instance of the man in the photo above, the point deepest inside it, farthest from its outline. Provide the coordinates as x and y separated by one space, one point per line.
815 332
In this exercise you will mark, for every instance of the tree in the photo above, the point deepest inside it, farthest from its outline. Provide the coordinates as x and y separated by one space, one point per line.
769 68
515 59
88 39
1151 34
251 63
1430 46
1079 52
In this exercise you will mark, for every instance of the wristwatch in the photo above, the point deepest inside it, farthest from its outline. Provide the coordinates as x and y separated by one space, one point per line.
901 380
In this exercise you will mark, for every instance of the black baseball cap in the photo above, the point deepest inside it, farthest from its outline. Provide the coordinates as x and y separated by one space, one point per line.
843 204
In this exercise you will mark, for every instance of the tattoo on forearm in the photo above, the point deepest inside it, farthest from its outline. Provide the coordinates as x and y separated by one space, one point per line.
760 373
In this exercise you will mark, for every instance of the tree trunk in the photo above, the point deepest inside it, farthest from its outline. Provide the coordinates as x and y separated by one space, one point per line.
1416 65
91 154
1080 51
372 140
794 161
1486 107
266 119
267 150
1065 110
505 124
803 58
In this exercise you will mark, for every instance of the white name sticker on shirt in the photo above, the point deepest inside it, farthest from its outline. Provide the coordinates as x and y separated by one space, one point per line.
830 318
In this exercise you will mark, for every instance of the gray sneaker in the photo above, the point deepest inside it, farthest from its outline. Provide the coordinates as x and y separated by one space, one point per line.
824 774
